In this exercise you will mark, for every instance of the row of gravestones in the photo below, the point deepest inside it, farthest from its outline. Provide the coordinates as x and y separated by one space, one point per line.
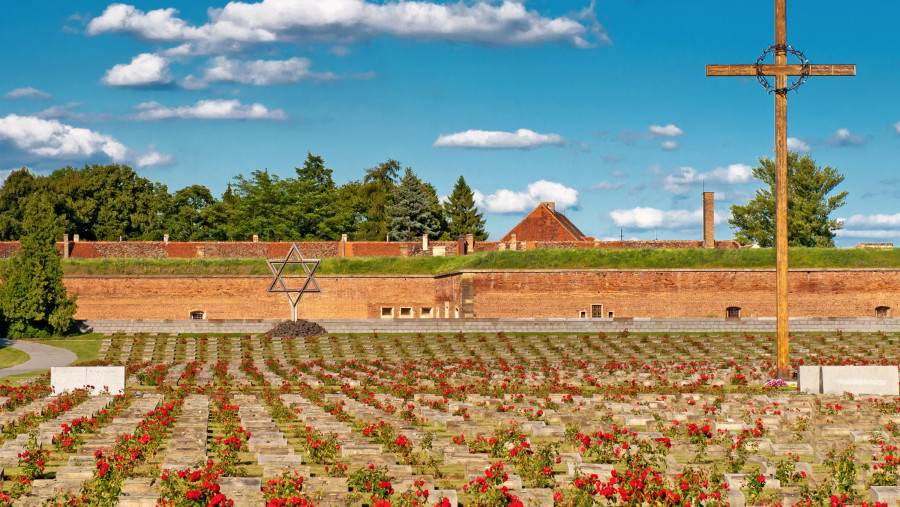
829 432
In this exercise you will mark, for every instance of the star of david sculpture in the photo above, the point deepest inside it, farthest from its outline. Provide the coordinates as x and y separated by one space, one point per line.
293 292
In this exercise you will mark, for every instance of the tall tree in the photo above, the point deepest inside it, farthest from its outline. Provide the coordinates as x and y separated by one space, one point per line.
318 210
33 298
17 190
462 214
264 203
411 214
188 214
378 191
108 202
809 205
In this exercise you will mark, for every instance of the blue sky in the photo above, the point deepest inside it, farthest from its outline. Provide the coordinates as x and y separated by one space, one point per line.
602 107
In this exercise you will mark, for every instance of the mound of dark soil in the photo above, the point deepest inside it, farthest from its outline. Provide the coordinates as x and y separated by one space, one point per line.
298 329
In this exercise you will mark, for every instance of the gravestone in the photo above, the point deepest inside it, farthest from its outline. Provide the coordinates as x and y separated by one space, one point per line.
100 378
879 380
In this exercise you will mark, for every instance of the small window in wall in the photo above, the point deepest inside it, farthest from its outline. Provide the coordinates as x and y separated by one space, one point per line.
883 311
596 311
733 312
610 315
405 313
583 315
425 313
198 315
456 313
387 312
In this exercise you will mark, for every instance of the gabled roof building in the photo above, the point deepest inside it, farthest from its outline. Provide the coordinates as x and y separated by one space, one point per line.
546 224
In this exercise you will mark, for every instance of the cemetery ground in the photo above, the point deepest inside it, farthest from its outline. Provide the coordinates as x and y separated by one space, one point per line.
475 419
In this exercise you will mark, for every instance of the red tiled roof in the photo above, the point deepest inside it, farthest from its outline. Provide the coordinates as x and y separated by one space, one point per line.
545 224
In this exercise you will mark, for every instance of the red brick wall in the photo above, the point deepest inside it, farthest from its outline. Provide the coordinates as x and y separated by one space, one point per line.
683 293
320 249
246 297
498 295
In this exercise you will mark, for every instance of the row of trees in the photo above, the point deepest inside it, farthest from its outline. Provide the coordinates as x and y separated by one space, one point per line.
109 202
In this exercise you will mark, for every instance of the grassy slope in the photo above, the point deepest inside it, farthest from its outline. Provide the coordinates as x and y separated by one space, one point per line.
535 259
11 357
84 349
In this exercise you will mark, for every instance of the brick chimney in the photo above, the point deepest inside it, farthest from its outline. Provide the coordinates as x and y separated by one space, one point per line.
709 240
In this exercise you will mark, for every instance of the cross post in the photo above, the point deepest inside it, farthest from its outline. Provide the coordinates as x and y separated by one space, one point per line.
781 70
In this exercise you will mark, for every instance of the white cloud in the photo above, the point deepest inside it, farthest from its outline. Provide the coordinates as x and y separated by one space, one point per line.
27 93
650 218
667 131
843 137
897 127
872 221
263 72
146 69
153 158
668 145
794 144
874 234
605 185
680 179
192 82
653 132
520 139
508 23
52 139
218 109
510 201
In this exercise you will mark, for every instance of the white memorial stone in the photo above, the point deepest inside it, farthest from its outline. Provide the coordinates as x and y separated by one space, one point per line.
809 379
878 380
100 378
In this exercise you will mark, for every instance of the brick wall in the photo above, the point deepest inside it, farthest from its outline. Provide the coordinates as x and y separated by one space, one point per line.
342 297
322 249
683 293
498 294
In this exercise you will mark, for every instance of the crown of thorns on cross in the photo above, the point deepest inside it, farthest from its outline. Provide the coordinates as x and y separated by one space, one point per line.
309 281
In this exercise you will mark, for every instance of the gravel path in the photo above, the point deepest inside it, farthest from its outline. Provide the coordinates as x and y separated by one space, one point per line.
42 357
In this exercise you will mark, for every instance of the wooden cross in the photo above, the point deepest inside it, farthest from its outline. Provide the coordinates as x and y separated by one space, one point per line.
781 70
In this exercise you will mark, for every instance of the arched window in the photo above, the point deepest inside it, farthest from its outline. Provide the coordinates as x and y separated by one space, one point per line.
198 315
883 311
733 312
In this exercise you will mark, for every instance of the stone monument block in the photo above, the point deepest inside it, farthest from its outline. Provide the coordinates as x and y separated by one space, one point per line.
878 380
100 378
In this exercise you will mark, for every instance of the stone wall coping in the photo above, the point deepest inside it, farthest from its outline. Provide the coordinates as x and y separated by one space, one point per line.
535 325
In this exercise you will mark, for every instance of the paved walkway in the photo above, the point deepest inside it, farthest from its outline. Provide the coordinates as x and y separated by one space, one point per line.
42 357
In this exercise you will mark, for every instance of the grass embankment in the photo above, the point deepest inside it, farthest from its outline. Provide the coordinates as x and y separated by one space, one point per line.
10 357
84 349
534 259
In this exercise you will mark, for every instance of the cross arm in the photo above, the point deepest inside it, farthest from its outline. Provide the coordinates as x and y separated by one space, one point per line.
785 70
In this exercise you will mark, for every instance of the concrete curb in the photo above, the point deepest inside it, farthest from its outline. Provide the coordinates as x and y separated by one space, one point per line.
637 325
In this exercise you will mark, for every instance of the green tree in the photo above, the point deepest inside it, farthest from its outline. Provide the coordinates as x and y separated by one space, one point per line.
411 214
33 298
17 190
809 205
264 203
319 210
378 192
108 202
187 216
462 214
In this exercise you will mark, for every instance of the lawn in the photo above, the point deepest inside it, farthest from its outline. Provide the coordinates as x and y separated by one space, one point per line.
532 259
10 356
84 349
